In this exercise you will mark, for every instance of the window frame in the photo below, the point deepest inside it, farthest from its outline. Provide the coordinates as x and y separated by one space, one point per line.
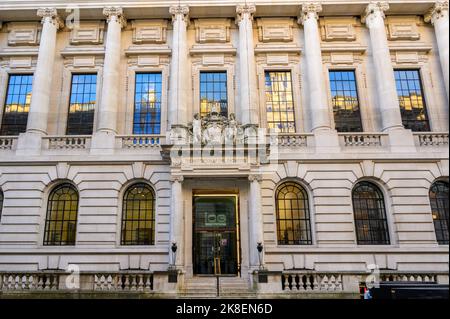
4 96
385 200
2 201
310 219
294 97
45 242
120 230
72 74
358 95
212 71
419 69
443 242
161 103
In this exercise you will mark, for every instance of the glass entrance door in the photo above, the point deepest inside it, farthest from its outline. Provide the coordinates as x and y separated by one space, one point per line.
216 235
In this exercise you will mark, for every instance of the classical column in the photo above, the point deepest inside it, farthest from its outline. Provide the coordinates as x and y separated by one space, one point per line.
177 219
255 219
111 71
42 82
318 101
179 70
438 16
389 107
247 66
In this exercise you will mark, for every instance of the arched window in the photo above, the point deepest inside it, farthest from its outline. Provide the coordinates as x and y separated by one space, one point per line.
370 215
138 216
439 208
1 204
293 217
62 213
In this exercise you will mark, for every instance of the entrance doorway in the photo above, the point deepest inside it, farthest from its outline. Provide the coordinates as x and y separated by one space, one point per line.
216 235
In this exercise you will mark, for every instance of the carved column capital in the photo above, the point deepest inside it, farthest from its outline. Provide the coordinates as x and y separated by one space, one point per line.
310 10
255 178
245 10
373 11
180 10
50 15
177 179
115 14
438 11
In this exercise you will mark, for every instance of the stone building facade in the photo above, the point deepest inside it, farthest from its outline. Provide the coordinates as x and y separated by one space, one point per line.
335 114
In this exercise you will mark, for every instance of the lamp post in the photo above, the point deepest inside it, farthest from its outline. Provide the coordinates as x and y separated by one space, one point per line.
260 248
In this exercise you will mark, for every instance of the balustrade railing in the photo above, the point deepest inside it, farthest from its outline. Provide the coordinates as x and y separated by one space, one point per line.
7 142
431 139
290 140
362 139
29 281
311 282
123 282
140 141
67 142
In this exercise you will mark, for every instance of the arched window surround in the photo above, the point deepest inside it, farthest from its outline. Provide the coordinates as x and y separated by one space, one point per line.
382 188
122 206
309 200
72 220
440 241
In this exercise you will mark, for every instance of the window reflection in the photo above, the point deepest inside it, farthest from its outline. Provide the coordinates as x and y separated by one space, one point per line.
213 93
293 217
147 103
440 211
83 97
17 105
347 116
411 99
280 102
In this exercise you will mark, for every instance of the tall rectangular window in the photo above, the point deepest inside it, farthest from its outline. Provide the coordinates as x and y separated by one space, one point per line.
147 103
83 97
17 104
280 102
412 101
213 93
344 96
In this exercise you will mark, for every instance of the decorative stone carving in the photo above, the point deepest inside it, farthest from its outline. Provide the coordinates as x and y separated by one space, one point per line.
338 29
373 11
275 30
310 10
245 10
402 28
50 15
212 30
88 33
115 13
180 10
215 129
149 31
24 33
439 11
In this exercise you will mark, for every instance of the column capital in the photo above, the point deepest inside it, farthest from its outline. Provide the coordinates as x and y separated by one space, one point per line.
180 10
310 10
115 14
50 15
374 10
176 179
255 178
438 11
244 9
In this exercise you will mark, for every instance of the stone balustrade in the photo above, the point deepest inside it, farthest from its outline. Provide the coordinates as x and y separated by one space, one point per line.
29 281
431 139
123 282
297 282
284 140
139 141
67 142
8 142
349 140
